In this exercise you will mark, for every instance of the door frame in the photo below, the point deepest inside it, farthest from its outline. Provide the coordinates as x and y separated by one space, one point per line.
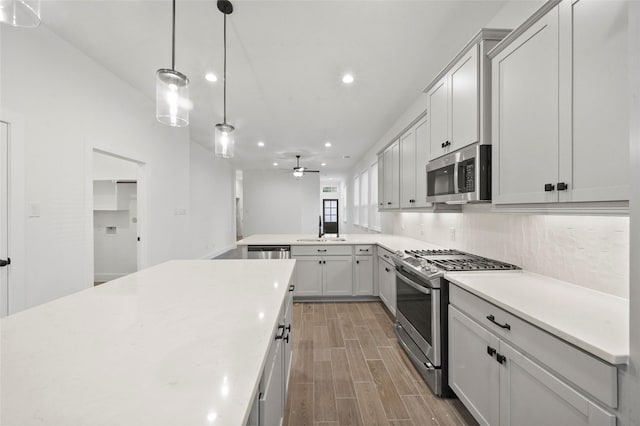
142 191
16 215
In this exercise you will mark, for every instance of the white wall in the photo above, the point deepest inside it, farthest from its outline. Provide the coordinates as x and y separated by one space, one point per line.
63 105
212 204
514 12
277 203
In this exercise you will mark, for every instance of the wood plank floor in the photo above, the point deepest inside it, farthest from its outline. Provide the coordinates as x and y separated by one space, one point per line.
348 369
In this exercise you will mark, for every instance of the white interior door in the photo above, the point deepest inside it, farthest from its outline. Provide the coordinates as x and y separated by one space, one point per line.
4 218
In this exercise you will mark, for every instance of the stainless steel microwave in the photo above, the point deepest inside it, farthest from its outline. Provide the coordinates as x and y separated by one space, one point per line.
461 176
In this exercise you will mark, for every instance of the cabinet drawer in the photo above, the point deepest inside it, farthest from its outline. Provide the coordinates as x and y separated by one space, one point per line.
321 250
583 370
385 254
364 250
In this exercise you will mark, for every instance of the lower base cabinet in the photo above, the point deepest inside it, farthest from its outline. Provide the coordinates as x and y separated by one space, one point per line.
387 284
499 385
270 402
363 284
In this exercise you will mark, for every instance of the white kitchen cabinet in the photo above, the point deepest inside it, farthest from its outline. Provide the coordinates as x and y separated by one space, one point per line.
387 284
381 202
414 156
438 107
363 271
473 371
560 120
337 275
391 176
530 394
594 118
464 98
308 276
525 116
323 270
508 372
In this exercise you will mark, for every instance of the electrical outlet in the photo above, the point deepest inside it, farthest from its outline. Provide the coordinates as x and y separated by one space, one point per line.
452 234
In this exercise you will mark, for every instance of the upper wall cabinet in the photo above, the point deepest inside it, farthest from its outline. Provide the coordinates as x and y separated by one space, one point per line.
414 155
390 183
458 100
560 108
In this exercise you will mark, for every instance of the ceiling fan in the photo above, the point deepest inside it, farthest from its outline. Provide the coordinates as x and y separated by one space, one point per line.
300 171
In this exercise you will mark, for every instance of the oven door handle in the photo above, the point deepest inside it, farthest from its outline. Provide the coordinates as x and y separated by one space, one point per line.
420 288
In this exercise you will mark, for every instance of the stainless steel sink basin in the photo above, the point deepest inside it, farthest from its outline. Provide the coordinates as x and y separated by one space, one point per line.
321 240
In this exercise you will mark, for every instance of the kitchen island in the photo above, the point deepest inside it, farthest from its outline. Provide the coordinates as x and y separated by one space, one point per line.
184 342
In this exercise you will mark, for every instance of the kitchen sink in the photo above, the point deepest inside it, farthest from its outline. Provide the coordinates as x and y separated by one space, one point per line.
321 240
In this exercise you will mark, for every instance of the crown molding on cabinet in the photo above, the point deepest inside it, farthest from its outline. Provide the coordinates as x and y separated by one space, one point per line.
544 9
484 34
403 131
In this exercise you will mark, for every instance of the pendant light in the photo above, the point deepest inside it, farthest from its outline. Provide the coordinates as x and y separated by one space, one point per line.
223 133
172 88
20 13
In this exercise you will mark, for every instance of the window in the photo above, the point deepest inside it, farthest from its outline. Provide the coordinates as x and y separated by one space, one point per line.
330 216
356 200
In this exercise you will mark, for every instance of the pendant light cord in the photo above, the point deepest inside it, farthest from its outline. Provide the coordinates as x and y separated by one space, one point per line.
225 71
173 37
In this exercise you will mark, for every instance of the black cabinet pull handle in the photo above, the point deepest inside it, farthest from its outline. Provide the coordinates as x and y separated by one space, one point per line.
364 250
491 351
386 255
286 338
322 250
319 262
442 145
288 328
501 359
324 262
493 320
548 187
562 186
292 287
280 333
4 263
357 262
389 202
387 269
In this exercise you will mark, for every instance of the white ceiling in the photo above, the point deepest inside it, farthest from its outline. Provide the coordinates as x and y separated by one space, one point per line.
285 62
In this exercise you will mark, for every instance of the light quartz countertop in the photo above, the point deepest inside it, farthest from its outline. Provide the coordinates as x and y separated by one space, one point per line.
389 242
594 321
182 343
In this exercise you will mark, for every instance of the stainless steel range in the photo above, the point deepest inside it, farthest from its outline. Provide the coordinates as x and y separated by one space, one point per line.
422 297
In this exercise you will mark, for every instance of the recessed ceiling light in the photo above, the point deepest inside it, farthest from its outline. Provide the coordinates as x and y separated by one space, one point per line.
347 78
261 143
323 164
327 144
211 77
275 164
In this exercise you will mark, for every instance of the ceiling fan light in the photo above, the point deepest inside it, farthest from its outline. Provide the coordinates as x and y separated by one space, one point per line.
224 140
20 13
298 173
172 98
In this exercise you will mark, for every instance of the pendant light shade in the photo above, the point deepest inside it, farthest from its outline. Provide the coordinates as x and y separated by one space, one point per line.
223 134
172 88
224 140
20 13
172 98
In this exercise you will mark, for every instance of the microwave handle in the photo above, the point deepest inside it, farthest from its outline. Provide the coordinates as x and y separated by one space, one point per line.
456 182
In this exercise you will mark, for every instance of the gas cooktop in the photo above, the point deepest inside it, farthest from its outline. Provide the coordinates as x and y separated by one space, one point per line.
433 263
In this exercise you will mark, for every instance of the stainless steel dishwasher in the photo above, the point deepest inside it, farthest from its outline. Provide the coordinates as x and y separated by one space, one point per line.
269 252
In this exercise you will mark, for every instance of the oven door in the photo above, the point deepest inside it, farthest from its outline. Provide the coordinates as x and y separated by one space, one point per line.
418 312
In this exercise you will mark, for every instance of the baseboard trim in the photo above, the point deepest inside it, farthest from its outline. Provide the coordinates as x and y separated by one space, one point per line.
100 277
336 299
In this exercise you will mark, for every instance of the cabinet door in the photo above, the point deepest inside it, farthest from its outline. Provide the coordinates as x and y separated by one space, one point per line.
308 276
287 346
395 178
422 158
594 115
388 178
525 115
408 169
337 275
531 395
473 369
381 201
387 284
364 276
437 99
465 101
271 402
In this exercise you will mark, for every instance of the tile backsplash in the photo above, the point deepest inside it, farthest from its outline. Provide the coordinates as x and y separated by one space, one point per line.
591 251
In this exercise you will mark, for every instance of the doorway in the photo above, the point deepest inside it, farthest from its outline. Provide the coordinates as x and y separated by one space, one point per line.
116 227
330 216
4 219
